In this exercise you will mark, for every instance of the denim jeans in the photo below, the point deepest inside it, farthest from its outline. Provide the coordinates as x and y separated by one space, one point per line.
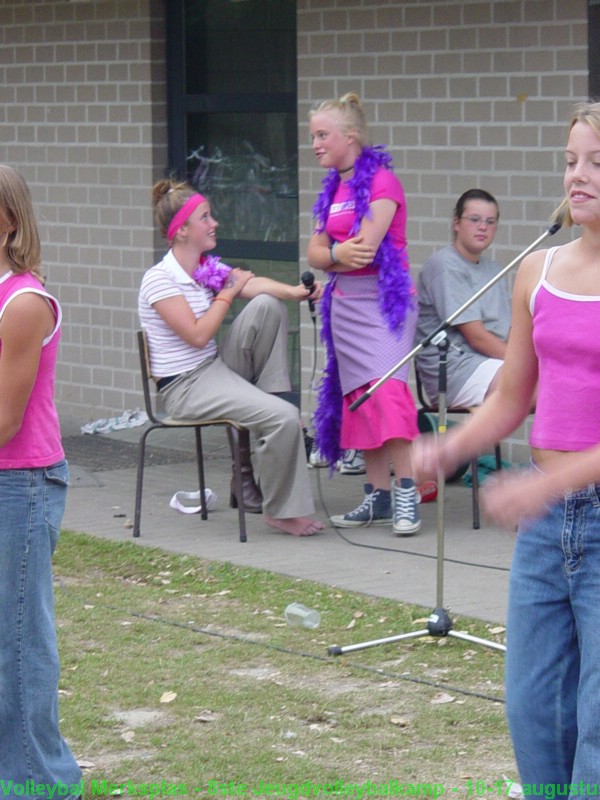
553 647
31 747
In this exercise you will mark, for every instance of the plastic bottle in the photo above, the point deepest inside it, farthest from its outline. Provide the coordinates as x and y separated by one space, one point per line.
298 615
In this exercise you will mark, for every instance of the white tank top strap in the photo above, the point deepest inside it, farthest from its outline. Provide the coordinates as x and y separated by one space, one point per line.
52 302
547 262
545 268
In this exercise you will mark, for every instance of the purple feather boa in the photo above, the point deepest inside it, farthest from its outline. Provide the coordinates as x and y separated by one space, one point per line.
327 418
394 284
211 273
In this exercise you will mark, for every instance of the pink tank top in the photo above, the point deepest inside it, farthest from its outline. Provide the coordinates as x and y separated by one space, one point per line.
566 337
38 442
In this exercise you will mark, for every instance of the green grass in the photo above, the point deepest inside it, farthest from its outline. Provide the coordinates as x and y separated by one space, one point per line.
256 700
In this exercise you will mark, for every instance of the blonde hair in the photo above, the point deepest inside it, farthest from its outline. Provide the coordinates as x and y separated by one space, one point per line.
350 113
21 244
589 113
168 196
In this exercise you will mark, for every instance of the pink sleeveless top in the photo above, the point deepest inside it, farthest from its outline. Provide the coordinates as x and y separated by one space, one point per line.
38 442
566 337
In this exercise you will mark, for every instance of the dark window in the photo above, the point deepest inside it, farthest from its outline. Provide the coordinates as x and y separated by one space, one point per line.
240 46
232 118
233 130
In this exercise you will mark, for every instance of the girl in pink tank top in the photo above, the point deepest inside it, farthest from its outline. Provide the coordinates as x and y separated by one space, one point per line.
33 485
553 636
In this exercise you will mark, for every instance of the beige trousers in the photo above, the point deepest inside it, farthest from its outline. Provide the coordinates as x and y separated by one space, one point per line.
238 384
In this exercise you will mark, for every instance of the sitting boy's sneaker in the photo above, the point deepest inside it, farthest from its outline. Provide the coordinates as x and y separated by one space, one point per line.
375 509
316 460
406 510
353 463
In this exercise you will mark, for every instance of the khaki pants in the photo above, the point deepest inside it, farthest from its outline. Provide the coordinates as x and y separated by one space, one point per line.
238 384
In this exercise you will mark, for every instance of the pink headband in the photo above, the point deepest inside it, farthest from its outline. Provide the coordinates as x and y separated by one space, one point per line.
184 213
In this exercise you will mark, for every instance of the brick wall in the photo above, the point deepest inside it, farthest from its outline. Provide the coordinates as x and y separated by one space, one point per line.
83 117
465 94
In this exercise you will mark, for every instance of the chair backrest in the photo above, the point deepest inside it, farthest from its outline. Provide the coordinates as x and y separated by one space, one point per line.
146 376
425 403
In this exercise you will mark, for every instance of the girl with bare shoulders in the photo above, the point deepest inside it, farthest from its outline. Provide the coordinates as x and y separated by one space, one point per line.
553 636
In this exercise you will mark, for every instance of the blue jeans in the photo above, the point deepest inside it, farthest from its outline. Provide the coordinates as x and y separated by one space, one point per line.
32 503
553 648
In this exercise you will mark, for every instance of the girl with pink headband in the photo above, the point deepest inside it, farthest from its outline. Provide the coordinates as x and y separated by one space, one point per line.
183 302
184 213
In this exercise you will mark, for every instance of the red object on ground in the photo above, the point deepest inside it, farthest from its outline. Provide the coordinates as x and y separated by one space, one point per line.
428 491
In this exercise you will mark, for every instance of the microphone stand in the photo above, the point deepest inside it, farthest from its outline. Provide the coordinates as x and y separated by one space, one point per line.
448 322
439 622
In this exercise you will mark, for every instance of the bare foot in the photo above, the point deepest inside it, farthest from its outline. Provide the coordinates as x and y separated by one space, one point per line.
297 526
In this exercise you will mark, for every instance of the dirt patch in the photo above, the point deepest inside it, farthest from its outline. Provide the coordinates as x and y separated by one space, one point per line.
140 717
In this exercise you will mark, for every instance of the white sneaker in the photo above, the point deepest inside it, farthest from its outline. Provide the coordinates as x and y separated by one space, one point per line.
353 463
316 460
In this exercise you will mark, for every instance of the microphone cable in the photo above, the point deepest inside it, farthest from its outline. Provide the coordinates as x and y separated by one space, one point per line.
311 380
308 279
238 638
402 551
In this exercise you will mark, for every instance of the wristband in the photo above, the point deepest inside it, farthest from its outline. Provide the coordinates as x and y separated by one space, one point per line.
222 299
332 252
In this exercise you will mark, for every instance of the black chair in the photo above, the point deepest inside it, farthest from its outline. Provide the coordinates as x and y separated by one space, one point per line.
429 408
164 422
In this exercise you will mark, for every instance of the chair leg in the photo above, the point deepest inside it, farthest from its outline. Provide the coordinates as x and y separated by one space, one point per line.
201 478
234 438
475 483
498 457
140 482
475 494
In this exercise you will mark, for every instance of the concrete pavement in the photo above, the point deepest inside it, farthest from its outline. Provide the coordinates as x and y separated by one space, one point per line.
372 561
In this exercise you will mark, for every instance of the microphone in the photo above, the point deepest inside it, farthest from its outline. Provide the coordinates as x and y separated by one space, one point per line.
558 218
308 279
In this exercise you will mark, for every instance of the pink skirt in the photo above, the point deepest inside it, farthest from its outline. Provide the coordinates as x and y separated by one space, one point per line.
389 413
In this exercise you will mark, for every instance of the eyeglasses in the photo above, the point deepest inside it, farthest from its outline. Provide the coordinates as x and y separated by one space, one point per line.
490 222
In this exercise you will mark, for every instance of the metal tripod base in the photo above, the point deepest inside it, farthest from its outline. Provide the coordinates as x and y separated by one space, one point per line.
438 624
